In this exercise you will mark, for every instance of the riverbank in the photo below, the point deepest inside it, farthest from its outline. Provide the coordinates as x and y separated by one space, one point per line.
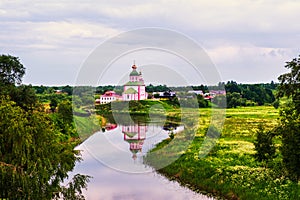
230 169
124 113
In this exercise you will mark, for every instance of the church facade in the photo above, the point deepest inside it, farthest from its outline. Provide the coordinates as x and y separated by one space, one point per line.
135 88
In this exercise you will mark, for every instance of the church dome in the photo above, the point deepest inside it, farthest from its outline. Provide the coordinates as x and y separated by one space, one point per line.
134 72
134 66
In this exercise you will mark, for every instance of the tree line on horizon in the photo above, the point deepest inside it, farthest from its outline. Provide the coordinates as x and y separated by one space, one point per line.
237 94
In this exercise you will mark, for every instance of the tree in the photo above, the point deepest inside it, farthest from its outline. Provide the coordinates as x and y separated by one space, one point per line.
24 96
34 157
232 86
53 103
264 146
63 119
11 70
202 103
65 111
233 99
290 83
11 73
289 129
67 89
289 126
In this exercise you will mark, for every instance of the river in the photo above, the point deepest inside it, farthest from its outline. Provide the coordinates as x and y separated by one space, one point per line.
114 158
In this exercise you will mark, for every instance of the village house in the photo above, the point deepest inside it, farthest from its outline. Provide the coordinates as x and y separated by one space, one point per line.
164 95
197 92
108 97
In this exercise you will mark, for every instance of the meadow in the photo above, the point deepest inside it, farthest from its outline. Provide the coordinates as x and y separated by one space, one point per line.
229 170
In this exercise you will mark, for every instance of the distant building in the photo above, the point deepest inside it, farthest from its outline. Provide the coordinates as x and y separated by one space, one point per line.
213 93
108 97
196 92
164 95
135 88
217 92
208 96
59 92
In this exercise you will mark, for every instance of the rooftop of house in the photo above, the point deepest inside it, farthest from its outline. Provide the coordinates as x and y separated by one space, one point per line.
110 94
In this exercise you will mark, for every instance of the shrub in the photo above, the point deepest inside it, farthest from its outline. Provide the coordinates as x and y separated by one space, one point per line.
264 145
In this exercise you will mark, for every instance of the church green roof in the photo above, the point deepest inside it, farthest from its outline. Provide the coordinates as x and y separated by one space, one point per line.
134 140
134 151
134 73
130 134
130 91
134 83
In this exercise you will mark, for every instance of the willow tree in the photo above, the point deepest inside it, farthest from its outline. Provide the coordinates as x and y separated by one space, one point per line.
34 159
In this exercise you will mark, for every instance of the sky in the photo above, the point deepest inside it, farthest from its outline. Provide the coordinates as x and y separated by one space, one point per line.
247 41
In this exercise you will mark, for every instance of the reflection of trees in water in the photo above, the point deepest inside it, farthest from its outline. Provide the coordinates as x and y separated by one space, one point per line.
170 126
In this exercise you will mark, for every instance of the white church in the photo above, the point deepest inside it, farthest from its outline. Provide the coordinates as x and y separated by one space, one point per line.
135 88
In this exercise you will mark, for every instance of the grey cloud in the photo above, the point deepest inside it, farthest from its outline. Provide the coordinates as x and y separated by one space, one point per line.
29 27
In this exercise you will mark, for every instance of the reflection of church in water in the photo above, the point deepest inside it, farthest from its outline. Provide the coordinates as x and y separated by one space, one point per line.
135 135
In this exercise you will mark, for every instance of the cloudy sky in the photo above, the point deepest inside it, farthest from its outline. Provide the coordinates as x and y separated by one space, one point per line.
248 41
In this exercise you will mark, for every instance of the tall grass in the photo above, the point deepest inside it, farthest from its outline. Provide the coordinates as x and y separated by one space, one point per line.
230 169
86 126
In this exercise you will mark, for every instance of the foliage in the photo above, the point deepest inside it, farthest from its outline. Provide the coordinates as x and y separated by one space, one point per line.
53 104
24 96
35 155
67 89
233 99
158 88
35 158
289 130
63 119
103 89
65 112
202 103
264 146
248 94
73 190
276 104
11 70
11 73
290 83
290 119
232 87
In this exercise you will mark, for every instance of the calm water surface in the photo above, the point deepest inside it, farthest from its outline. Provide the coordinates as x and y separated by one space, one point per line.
114 159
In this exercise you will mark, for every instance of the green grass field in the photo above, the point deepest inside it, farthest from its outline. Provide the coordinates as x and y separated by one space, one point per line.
230 169
86 126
